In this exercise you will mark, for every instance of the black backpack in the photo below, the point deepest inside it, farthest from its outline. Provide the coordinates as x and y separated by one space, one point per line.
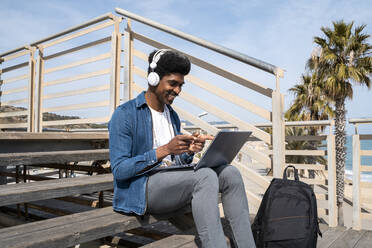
288 215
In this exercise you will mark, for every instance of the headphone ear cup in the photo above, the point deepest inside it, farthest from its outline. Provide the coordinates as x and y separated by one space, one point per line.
153 79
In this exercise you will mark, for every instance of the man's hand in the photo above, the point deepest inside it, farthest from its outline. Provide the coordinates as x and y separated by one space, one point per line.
178 145
199 142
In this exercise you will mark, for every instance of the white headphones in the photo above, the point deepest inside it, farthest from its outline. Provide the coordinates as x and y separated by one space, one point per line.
153 78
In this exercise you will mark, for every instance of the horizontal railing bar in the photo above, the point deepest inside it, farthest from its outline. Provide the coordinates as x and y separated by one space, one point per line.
80 26
78 77
78 63
366 216
300 123
13 67
22 100
223 94
16 55
366 200
366 168
365 152
15 90
366 184
322 203
76 121
217 48
77 92
81 47
207 66
9 114
361 121
14 125
262 158
365 136
14 79
305 152
313 181
215 111
56 135
14 51
306 138
77 106
308 166
82 32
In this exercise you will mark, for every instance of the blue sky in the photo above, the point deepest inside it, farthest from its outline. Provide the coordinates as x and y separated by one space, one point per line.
278 32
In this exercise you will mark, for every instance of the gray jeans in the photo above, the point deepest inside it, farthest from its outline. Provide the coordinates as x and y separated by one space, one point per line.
168 191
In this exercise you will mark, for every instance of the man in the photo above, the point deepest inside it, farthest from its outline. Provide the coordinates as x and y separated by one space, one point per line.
145 134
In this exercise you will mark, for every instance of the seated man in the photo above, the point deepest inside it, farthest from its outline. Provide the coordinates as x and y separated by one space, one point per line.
145 134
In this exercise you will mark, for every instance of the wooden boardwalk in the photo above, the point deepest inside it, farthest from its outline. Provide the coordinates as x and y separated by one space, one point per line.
340 237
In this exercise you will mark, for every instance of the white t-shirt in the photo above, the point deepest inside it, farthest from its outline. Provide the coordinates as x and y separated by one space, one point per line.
162 129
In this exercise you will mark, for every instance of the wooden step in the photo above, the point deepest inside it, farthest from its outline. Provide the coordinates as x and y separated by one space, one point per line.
34 191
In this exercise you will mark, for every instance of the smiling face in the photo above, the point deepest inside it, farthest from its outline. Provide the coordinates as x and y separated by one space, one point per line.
169 87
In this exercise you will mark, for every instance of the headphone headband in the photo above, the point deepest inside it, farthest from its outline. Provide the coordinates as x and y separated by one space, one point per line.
153 78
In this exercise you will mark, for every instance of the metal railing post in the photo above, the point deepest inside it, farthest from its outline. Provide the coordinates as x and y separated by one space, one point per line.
128 64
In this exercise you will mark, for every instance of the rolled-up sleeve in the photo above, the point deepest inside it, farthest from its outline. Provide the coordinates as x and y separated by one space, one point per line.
123 165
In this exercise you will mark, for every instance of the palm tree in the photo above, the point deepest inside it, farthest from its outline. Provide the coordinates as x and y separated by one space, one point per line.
344 58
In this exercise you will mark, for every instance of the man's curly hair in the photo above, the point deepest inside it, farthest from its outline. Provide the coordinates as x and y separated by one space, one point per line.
170 62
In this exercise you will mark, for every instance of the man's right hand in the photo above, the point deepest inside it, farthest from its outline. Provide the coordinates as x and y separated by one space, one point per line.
178 145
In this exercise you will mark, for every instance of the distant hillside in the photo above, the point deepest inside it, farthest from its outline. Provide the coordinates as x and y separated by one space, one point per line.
46 117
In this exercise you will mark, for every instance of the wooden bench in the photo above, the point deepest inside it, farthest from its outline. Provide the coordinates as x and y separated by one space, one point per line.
74 229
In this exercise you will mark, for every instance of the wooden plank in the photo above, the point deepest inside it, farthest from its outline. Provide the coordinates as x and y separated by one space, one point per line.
13 67
16 113
77 106
12 102
15 90
14 125
78 92
366 216
71 230
28 177
305 152
78 48
322 204
306 138
14 79
128 61
366 168
307 166
313 181
54 135
174 241
78 63
77 34
330 236
207 66
15 55
365 152
365 184
331 161
365 240
348 239
29 158
365 136
35 191
78 77
76 121
278 133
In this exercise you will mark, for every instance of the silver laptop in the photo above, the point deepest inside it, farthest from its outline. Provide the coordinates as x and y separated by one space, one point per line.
223 149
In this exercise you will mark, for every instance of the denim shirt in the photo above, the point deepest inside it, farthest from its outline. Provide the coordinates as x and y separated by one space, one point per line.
132 155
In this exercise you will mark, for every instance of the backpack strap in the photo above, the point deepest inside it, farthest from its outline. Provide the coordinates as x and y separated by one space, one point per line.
295 173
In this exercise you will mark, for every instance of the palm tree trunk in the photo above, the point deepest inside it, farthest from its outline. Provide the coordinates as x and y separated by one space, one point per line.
340 155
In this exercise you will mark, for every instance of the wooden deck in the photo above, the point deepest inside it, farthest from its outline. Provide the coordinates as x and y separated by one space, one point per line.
340 237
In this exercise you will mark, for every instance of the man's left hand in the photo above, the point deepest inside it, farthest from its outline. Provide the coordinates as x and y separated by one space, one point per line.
198 144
